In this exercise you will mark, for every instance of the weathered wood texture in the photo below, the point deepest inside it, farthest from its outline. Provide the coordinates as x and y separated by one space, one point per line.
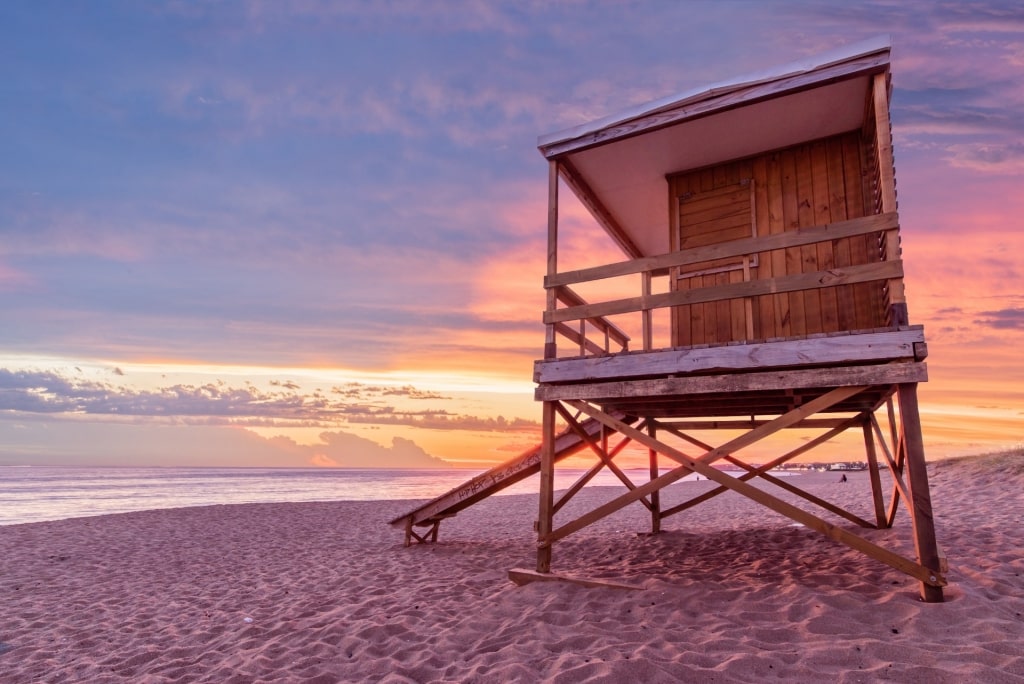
730 99
804 186
928 574
497 478
833 350
762 393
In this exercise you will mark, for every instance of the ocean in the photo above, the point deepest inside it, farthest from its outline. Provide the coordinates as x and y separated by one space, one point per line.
38 493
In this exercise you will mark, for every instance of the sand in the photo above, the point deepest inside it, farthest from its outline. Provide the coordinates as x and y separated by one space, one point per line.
325 592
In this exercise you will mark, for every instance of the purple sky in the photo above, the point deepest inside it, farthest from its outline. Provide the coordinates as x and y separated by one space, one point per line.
216 217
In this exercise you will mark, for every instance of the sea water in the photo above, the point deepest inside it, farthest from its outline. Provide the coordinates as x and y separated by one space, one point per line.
38 493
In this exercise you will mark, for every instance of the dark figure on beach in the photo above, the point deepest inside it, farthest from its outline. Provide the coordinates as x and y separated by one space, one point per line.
843 478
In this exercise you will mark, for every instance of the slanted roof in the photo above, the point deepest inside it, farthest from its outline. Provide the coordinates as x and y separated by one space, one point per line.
618 165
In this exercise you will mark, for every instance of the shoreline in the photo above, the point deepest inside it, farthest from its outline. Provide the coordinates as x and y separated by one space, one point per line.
326 592
59 493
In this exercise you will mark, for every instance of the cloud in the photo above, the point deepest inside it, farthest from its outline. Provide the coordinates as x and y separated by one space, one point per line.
1002 319
359 390
989 158
46 442
352 451
443 421
217 403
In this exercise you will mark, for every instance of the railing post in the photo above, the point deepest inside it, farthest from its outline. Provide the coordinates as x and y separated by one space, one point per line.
648 334
550 345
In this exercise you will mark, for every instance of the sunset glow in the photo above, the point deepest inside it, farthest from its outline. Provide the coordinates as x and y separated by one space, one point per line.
305 234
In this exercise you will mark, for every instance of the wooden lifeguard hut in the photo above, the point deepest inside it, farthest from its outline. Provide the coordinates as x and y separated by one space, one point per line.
759 227
762 275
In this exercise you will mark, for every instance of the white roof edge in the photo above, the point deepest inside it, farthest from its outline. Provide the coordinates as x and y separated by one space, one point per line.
808 64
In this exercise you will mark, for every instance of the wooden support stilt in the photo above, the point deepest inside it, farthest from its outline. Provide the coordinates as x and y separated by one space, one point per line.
896 464
920 504
429 536
601 449
588 476
652 455
545 516
817 441
763 473
894 430
928 575
876 480
409 533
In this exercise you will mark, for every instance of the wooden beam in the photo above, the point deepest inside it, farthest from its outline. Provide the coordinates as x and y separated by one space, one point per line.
545 514
895 468
848 275
652 456
894 501
763 473
550 343
575 337
688 464
598 210
832 350
887 191
741 95
493 480
807 446
734 248
883 142
597 449
817 501
920 505
882 374
647 325
587 477
748 423
612 506
702 465
569 297
876 482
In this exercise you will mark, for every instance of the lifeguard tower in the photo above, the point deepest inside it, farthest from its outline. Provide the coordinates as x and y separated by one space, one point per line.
762 279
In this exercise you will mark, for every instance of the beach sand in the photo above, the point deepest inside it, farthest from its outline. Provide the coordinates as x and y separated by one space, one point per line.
326 592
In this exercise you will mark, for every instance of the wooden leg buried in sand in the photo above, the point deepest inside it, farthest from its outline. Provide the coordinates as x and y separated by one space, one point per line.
876 481
652 430
428 536
920 504
545 514
926 569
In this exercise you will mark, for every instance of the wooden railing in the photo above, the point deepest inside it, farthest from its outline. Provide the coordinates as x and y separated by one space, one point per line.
578 335
575 309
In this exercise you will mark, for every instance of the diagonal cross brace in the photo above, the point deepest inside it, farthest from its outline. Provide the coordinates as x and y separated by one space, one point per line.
606 458
702 466
689 464
763 473
817 441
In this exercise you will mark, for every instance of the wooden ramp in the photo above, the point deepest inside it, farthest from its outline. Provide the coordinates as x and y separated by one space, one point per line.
499 477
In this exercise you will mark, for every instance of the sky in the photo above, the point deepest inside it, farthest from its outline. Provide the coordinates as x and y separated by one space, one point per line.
313 233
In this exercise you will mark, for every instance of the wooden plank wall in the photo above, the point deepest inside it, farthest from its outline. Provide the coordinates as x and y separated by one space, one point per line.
799 187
